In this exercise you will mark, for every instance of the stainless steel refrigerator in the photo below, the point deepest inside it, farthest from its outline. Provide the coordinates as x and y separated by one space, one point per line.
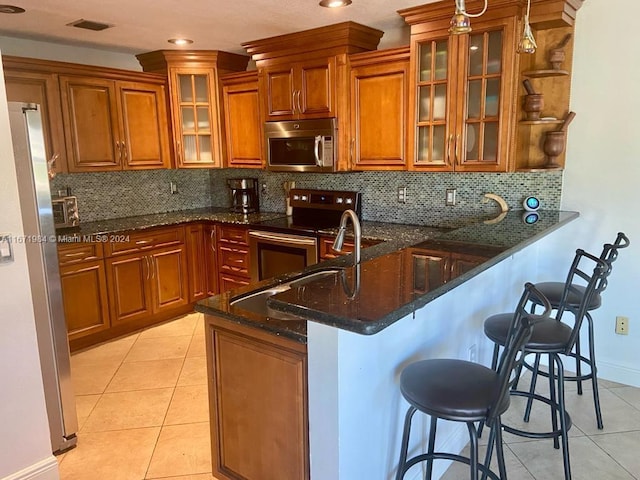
42 257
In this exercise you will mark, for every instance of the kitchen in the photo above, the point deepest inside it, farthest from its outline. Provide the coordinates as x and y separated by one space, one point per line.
599 215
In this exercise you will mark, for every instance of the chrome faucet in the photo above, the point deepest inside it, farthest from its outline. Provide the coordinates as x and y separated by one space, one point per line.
357 232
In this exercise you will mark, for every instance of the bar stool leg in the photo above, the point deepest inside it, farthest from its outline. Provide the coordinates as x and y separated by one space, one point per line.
489 453
473 451
578 365
594 373
431 447
532 387
563 416
502 469
553 398
405 442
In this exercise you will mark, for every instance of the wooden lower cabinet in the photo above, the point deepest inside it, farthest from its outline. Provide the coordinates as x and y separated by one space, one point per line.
145 284
84 293
258 403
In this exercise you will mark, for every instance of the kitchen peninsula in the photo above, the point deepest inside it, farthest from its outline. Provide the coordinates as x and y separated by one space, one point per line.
340 359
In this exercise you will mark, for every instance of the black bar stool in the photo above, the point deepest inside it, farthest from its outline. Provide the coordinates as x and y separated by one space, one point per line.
463 391
553 292
554 338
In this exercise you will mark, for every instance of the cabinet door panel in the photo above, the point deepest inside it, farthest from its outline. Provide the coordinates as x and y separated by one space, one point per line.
129 288
280 92
197 255
91 120
144 126
243 125
250 409
169 280
43 89
379 99
315 85
84 292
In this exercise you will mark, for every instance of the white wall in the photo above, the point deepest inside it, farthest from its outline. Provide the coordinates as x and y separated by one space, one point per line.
65 53
25 445
602 173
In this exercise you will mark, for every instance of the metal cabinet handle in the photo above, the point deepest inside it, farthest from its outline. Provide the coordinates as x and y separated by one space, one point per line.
352 148
298 101
458 149
449 140
119 151
77 254
293 101
154 267
124 151
146 259
143 242
179 151
212 234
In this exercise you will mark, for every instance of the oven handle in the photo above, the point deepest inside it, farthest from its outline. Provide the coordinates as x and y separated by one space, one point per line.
290 239
316 150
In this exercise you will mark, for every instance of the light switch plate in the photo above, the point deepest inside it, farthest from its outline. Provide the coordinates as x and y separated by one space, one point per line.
6 249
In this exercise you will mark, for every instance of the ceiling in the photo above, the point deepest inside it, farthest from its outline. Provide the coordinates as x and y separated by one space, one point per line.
146 25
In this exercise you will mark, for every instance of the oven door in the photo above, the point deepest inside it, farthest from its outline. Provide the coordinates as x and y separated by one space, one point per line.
273 254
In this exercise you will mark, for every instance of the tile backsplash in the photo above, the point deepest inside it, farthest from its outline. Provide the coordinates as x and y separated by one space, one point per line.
118 194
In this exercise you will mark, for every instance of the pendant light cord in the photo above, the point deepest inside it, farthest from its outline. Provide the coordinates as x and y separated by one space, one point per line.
460 6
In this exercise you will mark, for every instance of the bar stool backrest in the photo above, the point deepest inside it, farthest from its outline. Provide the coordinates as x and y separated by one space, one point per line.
610 252
585 268
512 356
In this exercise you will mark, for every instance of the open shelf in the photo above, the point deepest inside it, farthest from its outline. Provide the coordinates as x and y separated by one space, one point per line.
545 73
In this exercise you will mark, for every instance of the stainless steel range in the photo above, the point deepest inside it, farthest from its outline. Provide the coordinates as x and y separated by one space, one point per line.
289 244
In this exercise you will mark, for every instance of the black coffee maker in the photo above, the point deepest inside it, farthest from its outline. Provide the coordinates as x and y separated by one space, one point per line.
243 193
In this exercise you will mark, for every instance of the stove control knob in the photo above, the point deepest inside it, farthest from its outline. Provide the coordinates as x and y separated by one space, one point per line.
296 197
304 198
339 200
349 201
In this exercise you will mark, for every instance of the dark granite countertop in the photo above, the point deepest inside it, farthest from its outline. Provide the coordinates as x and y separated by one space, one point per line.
363 299
142 222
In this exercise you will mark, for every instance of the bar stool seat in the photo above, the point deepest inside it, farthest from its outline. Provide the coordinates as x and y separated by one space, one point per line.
548 334
462 391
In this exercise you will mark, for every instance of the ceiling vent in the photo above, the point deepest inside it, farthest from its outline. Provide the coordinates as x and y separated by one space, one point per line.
89 25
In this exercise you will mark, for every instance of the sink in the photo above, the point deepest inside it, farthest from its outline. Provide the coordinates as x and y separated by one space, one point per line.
256 302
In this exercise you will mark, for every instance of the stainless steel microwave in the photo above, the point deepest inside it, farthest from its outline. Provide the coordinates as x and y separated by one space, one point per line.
301 145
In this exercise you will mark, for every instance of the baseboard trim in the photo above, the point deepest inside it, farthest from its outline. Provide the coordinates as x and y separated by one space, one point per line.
618 373
46 469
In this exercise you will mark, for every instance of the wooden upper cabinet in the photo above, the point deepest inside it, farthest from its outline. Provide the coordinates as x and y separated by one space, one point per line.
306 75
243 122
379 99
113 125
42 89
195 96
300 90
462 94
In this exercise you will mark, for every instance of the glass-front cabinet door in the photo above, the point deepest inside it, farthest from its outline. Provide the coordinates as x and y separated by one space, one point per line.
195 124
462 92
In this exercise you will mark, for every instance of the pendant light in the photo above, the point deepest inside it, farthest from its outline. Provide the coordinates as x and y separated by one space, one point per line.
460 22
527 43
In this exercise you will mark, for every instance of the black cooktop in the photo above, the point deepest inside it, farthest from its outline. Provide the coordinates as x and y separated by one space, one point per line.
315 210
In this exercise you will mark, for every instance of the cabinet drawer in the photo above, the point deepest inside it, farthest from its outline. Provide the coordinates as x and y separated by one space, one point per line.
229 282
233 260
138 241
232 234
327 252
71 253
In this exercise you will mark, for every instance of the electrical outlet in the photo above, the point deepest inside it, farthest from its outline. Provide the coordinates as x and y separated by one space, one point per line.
451 197
622 325
473 353
173 188
402 194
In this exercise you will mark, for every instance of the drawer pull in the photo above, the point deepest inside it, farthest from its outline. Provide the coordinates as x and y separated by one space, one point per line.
143 242
77 254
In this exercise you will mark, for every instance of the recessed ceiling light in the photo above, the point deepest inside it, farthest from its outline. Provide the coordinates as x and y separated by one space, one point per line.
334 3
11 9
180 41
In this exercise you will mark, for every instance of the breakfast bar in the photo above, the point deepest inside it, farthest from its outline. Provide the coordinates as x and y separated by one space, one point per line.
341 333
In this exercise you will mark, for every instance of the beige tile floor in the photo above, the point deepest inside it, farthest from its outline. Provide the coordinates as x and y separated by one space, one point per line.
607 454
143 414
142 407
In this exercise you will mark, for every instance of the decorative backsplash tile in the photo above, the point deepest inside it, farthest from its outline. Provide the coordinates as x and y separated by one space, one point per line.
426 192
104 195
120 194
